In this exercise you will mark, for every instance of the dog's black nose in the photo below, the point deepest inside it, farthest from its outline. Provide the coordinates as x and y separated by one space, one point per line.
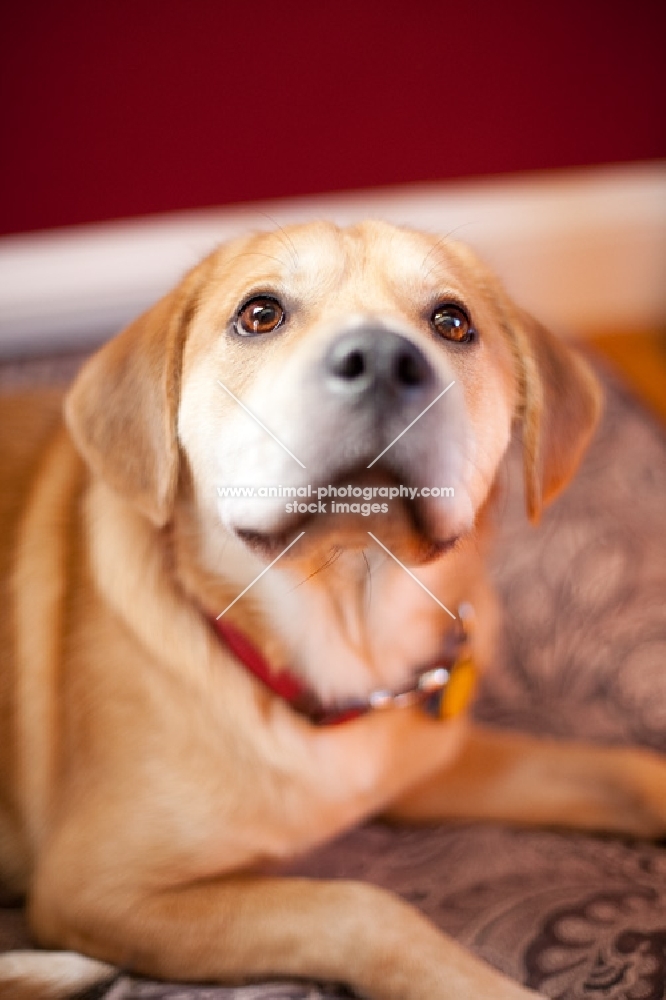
365 359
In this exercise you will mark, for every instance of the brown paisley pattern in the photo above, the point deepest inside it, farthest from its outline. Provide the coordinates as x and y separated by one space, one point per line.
575 916
614 962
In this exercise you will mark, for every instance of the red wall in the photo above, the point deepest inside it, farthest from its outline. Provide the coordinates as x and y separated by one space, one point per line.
121 107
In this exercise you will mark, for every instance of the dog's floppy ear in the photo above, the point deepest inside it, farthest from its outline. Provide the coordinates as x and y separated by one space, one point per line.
559 409
121 410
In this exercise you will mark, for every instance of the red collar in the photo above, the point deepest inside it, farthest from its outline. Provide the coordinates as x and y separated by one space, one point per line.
429 685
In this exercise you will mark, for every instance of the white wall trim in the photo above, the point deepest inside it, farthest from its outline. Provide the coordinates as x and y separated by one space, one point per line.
583 249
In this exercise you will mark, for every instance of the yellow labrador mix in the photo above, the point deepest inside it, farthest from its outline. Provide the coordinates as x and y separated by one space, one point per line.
237 610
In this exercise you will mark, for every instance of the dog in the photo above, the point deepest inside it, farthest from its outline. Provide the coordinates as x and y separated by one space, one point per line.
207 671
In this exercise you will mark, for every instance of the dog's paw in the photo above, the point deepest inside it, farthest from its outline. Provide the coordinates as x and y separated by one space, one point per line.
653 782
643 776
47 975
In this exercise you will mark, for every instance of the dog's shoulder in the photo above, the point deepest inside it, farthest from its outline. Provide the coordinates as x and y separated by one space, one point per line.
28 418
28 421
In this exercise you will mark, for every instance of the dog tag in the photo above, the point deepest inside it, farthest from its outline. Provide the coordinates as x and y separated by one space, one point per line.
459 692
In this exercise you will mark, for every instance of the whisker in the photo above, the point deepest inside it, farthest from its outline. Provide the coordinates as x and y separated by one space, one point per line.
288 238
335 555
369 585
439 242
432 250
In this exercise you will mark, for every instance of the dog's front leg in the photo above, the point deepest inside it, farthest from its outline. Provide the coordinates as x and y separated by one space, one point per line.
251 927
175 892
517 778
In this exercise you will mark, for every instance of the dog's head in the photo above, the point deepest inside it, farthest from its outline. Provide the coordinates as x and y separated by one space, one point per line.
370 358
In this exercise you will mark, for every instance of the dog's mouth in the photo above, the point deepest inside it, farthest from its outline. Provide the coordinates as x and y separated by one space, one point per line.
272 545
363 507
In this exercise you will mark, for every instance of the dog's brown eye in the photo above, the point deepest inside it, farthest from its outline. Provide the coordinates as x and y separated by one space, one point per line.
259 315
452 323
